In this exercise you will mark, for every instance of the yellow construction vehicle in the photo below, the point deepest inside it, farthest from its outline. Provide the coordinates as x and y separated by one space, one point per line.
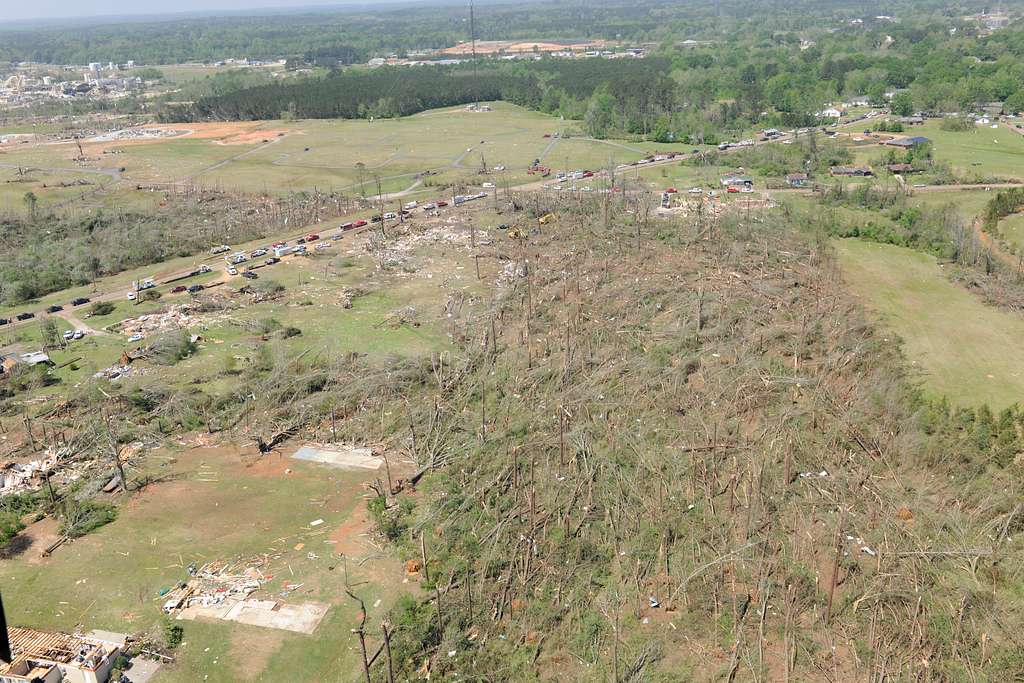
546 218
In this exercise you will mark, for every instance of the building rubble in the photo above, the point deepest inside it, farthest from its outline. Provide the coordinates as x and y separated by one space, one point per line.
215 582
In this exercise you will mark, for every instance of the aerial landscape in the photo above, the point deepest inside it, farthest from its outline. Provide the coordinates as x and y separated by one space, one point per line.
489 341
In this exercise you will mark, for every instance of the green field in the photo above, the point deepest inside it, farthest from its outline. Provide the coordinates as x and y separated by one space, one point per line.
211 506
1011 229
452 144
961 346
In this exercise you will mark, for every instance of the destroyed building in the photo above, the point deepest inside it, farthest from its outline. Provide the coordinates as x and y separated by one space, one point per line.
56 657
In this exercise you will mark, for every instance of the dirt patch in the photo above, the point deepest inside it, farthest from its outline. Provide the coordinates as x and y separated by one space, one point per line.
353 537
31 542
210 131
252 137
251 650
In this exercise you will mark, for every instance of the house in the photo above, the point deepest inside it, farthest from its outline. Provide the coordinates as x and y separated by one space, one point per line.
859 171
858 101
900 169
57 658
907 143
796 179
831 113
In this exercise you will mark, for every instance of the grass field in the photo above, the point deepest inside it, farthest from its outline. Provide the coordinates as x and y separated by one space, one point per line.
212 506
1011 229
982 152
961 345
453 144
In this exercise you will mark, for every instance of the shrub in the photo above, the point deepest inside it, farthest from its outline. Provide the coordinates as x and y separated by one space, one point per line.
102 308
171 347
173 634
10 525
82 517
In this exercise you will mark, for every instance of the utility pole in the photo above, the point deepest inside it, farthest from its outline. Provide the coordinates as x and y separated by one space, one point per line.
472 41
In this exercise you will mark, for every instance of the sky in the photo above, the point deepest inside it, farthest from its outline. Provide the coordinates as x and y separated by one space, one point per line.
67 9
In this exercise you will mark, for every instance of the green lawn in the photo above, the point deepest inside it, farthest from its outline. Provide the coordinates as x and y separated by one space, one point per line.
214 507
981 152
964 349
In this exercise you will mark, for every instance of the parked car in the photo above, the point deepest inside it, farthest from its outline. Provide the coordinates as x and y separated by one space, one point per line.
732 189
131 296
503 226
78 334
80 300
25 316
359 224
195 288
390 216
220 250
301 240
249 275
312 237
68 335
348 226
4 321
442 203
258 252
278 245
671 190
376 219
134 338
179 289
54 308
429 206
272 260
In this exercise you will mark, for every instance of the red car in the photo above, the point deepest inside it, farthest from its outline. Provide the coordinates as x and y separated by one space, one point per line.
732 190
179 288
442 203
547 135
358 224
671 190
588 174
278 245
312 237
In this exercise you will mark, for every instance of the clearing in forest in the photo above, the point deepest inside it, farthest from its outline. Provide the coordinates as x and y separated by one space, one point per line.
962 346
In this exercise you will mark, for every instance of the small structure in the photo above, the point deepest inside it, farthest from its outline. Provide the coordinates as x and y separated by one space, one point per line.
36 358
912 120
57 657
733 179
858 171
831 113
796 179
901 169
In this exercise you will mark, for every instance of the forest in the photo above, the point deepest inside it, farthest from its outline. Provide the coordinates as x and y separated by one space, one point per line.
699 94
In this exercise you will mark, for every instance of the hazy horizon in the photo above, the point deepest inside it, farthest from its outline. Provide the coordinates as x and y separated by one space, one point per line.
56 10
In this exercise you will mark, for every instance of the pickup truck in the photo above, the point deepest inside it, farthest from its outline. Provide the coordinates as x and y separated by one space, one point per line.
359 224
25 316
80 300
221 249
